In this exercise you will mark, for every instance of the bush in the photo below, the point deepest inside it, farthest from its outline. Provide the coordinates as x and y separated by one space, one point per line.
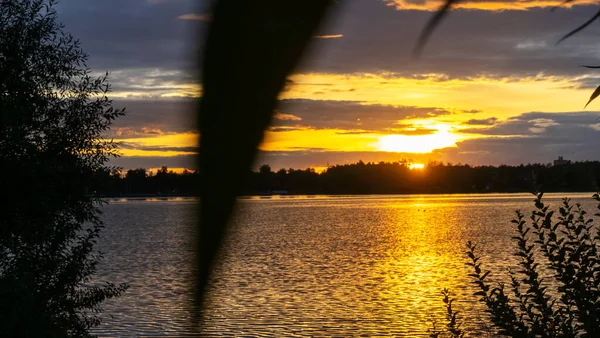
452 328
555 291
53 114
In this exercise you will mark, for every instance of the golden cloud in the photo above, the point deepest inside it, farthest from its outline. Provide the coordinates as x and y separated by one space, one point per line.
432 5
331 36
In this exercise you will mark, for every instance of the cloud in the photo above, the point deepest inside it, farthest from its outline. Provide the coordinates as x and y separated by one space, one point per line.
286 117
140 34
483 122
165 148
154 117
484 5
553 123
540 125
376 38
380 38
544 122
329 36
148 117
574 135
353 116
195 16
179 161
152 82
284 129
409 130
129 132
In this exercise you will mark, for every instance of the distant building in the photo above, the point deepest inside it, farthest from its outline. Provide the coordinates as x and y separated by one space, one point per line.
561 161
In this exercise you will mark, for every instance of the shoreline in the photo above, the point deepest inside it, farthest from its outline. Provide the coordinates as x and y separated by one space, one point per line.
294 195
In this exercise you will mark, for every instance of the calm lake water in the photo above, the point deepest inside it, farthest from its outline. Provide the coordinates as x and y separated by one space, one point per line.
308 266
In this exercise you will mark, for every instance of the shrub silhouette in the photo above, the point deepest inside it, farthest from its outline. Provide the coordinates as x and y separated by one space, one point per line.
452 328
554 292
53 114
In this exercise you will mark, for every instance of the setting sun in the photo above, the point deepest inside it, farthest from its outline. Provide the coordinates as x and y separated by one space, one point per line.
443 138
416 166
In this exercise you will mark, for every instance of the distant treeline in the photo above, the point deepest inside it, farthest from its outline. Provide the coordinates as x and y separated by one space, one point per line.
366 178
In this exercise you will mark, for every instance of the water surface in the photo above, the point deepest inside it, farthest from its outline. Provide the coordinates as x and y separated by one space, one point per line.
308 266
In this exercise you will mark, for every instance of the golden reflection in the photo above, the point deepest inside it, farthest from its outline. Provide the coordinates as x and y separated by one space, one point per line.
426 259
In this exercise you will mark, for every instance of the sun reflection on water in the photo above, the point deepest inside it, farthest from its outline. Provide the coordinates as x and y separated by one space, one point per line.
325 266
420 264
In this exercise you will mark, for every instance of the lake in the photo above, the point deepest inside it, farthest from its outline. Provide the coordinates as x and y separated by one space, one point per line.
308 266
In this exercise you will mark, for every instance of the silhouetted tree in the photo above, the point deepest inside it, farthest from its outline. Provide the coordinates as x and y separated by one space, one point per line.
135 179
53 115
368 178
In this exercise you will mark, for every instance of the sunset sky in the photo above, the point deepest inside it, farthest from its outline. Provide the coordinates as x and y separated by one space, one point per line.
490 88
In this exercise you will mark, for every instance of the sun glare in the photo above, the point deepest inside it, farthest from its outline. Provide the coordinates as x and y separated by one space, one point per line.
416 166
443 138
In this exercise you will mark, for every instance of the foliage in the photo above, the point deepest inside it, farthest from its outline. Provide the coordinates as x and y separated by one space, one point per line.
555 291
366 178
53 114
452 328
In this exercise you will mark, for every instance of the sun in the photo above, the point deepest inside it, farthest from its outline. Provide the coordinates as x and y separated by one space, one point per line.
443 138
416 166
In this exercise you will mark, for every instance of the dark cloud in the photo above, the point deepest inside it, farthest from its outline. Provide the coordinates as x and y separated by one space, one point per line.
136 146
283 129
149 81
150 49
379 38
411 131
135 33
483 122
151 117
351 115
141 34
534 138
565 125
132 162
156 117
575 136
528 138
159 116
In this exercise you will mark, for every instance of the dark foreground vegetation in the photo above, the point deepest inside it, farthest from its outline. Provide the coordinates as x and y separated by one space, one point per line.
366 178
554 291
53 114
